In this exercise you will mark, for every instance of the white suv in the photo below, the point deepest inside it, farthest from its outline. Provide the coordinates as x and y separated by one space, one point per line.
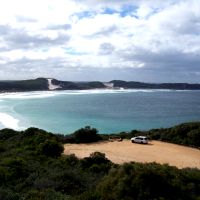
139 139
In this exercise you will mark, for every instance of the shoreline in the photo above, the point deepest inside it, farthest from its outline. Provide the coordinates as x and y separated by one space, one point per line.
101 89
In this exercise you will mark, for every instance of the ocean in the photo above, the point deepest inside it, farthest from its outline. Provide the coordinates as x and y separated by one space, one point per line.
110 111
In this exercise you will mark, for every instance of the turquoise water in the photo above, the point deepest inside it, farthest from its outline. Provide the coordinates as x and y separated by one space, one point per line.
107 110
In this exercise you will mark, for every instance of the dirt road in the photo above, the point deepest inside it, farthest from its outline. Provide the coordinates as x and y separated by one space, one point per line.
125 151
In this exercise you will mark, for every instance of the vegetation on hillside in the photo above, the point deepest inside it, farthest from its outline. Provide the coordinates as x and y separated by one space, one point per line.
83 135
137 85
69 85
41 84
24 85
185 134
32 167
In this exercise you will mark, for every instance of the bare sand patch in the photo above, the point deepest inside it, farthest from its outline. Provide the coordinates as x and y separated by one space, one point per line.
125 151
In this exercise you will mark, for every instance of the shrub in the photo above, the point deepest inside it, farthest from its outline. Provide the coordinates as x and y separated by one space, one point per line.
7 133
51 148
185 134
86 135
96 162
47 194
149 181
7 194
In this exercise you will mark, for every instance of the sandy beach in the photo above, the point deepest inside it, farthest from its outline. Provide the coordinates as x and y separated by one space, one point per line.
125 151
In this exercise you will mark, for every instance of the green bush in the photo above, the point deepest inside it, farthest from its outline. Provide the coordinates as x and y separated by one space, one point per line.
148 181
7 133
185 134
47 194
96 163
86 135
8 194
51 148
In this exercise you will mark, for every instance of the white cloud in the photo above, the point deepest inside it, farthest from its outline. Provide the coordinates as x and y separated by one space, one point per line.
66 34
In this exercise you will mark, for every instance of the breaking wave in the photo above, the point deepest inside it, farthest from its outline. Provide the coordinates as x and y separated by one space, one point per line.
9 121
46 94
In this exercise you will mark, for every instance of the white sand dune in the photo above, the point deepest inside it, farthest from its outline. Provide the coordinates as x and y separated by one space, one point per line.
51 85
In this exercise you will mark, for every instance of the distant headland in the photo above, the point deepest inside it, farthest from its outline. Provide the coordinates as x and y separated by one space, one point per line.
49 84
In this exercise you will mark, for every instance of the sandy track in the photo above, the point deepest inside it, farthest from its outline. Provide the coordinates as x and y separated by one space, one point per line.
125 151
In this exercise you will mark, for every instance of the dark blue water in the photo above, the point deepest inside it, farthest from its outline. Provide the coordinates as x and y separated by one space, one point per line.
107 111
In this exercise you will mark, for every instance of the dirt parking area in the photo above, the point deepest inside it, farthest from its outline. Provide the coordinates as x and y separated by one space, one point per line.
125 151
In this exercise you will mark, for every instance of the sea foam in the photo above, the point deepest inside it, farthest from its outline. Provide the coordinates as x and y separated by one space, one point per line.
47 94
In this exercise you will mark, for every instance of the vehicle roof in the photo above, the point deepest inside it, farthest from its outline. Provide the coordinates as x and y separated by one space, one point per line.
142 136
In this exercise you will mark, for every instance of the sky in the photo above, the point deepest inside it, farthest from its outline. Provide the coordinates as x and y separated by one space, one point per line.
86 40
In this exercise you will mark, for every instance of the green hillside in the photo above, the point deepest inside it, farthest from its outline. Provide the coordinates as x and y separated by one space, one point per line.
32 167
41 84
142 85
24 85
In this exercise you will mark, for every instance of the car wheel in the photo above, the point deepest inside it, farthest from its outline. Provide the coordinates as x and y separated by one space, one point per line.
132 141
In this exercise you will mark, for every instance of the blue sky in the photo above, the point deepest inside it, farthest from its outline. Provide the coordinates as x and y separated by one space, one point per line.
146 40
